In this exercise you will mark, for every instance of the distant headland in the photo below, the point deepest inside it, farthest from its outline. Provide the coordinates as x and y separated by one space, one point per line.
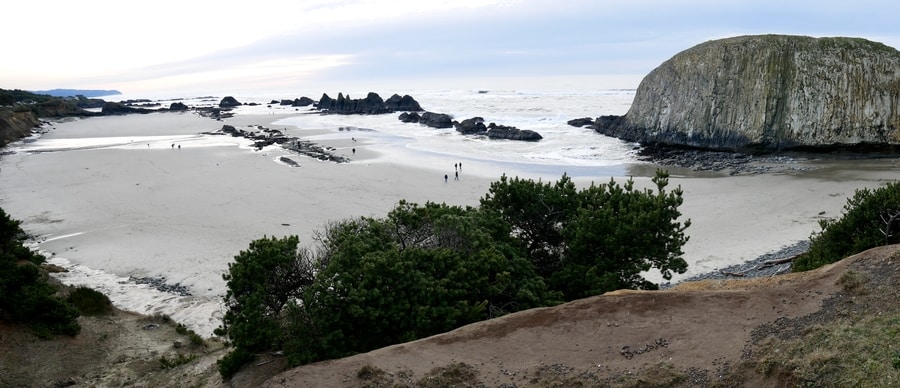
77 92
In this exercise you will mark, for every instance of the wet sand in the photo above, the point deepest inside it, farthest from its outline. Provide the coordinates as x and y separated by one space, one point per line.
136 206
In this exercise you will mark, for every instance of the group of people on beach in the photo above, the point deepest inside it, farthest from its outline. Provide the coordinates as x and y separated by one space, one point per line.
457 167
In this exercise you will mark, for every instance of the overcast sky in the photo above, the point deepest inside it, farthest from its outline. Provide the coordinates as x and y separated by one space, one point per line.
192 46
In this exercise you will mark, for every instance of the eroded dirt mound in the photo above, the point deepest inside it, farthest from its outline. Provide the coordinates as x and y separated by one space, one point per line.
692 335
709 333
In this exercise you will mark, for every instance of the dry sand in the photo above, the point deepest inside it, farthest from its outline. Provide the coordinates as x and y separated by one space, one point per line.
185 213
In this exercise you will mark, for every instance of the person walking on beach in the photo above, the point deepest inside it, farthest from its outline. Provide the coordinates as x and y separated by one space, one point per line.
445 178
457 176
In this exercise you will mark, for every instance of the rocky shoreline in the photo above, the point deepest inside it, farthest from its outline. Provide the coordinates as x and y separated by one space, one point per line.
769 264
732 163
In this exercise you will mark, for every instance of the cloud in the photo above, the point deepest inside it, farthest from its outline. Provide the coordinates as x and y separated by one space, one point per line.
192 44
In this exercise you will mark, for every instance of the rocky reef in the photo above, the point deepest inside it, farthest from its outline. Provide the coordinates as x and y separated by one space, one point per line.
373 104
470 126
768 93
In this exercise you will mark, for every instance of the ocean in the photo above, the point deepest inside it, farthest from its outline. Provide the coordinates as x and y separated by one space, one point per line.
578 152
575 151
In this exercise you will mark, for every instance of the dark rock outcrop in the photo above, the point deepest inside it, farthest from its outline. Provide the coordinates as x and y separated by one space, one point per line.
495 131
115 108
768 93
373 104
178 106
473 126
410 117
264 137
302 101
405 103
229 102
582 122
436 120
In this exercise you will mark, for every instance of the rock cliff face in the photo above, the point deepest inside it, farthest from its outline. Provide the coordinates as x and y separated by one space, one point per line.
768 92
16 125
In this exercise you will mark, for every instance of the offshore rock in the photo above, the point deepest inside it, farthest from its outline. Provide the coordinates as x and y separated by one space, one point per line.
511 133
302 101
436 120
115 108
472 126
373 104
405 103
409 117
229 102
769 93
475 126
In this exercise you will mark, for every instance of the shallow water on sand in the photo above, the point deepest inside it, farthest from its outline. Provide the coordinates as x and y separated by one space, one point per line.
150 196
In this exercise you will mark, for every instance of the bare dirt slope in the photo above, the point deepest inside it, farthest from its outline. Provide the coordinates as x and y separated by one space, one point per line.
698 331
696 334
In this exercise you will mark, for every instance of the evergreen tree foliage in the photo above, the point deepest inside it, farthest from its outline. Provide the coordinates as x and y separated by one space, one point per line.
537 212
597 239
25 295
871 218
424 270
261 281
418 272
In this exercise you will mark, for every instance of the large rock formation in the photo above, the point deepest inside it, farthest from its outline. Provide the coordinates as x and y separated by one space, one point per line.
769 92
229 102
373 104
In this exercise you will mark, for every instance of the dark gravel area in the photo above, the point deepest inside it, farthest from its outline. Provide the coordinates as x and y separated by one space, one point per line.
755 268
161 284
731 163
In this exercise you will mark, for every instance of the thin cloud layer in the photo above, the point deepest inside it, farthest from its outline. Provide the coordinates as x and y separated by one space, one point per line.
289 45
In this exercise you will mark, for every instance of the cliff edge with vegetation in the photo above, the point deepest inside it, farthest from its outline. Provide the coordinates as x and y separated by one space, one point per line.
16 125
768 92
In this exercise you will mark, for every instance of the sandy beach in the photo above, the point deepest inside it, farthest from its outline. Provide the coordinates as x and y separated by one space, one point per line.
148 196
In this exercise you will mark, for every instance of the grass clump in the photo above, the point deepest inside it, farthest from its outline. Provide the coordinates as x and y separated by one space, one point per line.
842 353
89 301
853 282
194 338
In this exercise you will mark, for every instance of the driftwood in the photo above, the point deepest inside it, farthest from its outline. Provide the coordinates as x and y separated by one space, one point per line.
767 264
764 265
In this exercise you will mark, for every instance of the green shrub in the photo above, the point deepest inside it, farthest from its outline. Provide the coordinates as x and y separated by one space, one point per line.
895 359
232 362
25 295
195 338
424 270
870 219
89 301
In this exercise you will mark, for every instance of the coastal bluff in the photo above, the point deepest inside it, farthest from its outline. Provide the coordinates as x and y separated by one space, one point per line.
16 125
768 93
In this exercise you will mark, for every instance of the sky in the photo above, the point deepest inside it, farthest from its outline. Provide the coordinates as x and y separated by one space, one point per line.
203 47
